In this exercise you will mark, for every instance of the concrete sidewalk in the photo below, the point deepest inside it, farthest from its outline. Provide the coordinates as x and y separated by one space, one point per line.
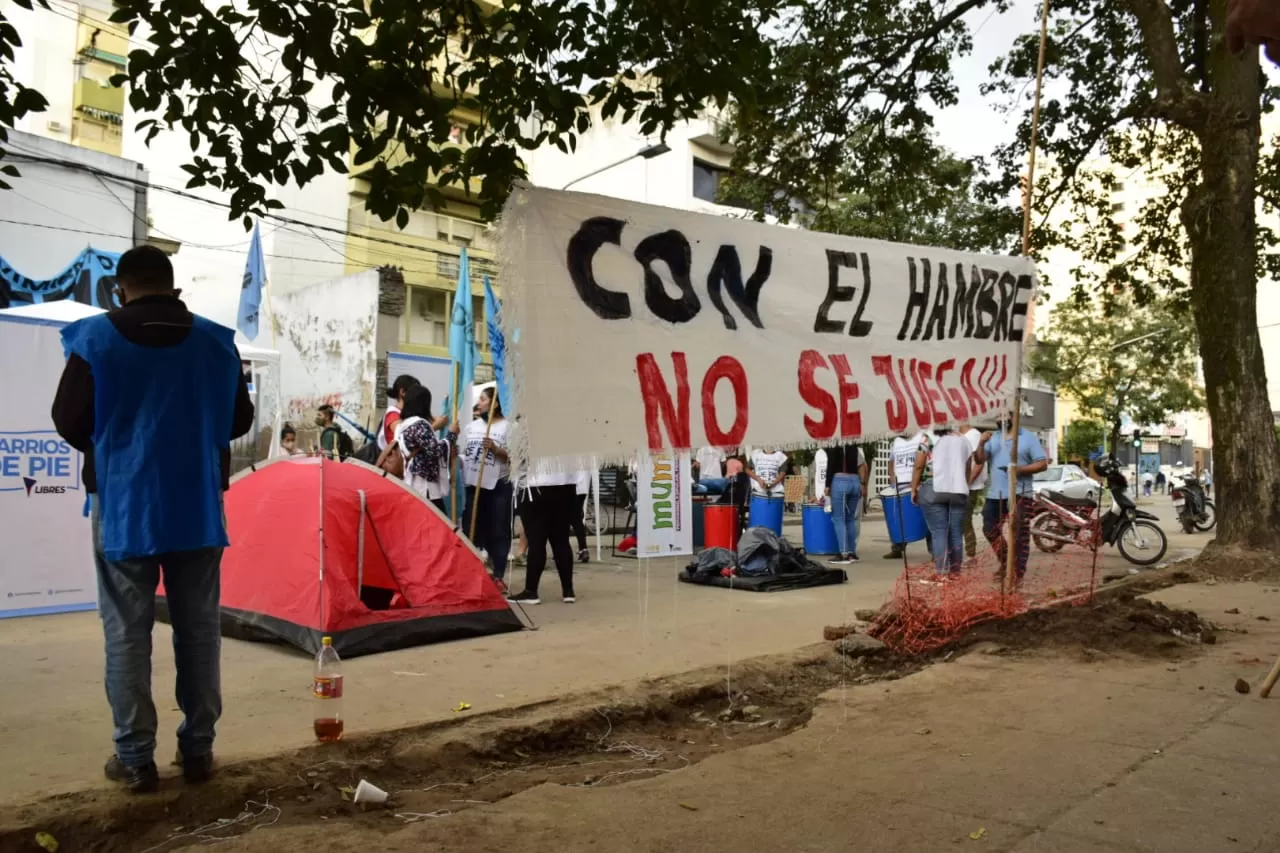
631 621
1018 754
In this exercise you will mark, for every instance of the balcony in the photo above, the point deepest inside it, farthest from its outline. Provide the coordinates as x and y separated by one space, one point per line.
710 131
105 103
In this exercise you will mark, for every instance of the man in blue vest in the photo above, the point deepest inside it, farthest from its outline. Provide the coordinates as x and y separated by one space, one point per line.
152 395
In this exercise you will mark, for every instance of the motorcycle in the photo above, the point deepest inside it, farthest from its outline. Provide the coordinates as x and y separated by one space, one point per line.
1064 520
1195 511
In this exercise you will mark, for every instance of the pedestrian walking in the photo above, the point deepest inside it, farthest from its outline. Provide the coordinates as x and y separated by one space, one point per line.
152 396
995 452
944 496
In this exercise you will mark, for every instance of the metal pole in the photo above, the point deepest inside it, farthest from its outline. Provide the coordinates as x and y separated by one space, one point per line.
453 490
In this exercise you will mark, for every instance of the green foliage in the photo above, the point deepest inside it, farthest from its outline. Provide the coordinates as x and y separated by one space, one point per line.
939 208
16 100
391 76
1080 439
1124 359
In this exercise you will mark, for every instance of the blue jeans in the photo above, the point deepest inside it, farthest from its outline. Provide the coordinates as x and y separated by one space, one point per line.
711 486
127 606
846 511
945 517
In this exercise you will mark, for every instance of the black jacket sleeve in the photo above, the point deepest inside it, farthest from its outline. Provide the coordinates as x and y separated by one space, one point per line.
73 404
242 420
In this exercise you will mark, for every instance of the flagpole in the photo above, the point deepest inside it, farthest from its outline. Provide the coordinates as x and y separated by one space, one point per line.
453 492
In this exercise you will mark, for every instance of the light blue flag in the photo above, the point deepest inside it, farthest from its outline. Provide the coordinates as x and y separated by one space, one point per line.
255 278
462 340
497 348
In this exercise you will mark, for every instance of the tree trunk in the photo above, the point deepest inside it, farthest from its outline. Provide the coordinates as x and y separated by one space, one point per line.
1219 216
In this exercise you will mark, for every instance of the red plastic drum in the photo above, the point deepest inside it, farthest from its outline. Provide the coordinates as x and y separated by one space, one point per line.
720 526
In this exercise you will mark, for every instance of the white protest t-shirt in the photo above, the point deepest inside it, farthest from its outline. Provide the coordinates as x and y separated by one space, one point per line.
950 460
767 466
820 473
473 448
902 455
582 485
974 437
710 464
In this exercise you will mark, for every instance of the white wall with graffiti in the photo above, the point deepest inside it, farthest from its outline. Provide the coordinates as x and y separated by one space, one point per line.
326 333
54 212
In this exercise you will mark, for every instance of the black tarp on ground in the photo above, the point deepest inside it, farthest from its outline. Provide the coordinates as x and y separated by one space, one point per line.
764 562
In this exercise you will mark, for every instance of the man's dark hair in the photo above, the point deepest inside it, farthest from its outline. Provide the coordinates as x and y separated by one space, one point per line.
326 409
145 268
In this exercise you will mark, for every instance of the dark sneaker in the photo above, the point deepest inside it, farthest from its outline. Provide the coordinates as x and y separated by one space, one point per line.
139 780
853 558
525 597
195 768
584 556
570 598
893 555
839 561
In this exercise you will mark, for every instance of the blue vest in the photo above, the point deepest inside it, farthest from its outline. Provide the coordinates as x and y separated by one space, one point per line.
161 417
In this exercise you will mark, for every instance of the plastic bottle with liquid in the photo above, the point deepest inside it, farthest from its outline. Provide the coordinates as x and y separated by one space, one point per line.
326 687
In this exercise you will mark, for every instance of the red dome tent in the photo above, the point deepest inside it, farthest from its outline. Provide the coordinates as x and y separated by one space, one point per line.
335 548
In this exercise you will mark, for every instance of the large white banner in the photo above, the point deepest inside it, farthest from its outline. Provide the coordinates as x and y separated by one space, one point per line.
48 562
664 506
643 328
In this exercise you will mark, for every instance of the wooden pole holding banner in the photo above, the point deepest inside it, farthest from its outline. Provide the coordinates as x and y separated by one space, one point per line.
484 457
453 490
1011 563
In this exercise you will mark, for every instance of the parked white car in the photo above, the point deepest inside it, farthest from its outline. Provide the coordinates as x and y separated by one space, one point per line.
1069 480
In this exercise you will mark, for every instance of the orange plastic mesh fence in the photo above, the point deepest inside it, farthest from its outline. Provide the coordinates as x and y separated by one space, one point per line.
928 610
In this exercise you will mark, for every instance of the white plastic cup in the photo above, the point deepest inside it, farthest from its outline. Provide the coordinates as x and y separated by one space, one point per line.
367 792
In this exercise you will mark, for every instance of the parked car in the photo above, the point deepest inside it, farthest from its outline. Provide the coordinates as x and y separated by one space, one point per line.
1069 480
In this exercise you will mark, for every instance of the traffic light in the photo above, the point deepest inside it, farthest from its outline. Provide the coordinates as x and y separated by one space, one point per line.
1137 438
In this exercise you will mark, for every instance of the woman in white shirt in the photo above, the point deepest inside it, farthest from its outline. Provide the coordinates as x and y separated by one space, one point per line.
426 457
944 497
768 470
490 496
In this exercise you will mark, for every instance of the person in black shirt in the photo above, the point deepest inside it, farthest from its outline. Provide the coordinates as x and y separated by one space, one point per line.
846 484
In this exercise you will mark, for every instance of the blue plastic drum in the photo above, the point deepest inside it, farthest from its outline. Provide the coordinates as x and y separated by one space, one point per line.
819 532
904 519
767 512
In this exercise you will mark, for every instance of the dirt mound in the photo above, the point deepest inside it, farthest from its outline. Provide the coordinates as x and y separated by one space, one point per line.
1118 623
1236 564
606 738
